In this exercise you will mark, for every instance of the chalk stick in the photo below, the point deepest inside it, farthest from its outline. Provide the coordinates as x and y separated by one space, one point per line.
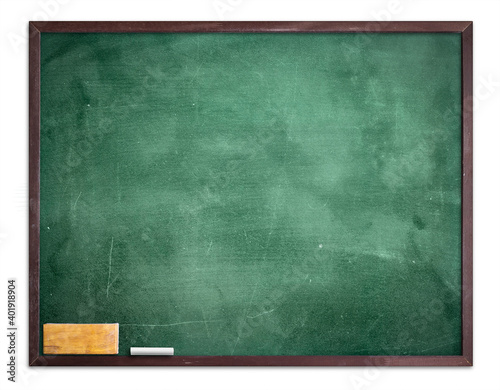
149 351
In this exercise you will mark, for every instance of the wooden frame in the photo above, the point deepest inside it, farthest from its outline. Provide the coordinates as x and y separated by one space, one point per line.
36 28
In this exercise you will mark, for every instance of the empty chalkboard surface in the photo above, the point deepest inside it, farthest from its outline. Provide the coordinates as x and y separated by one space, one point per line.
254 193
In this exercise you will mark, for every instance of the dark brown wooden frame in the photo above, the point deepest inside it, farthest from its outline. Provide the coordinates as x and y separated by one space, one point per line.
36 28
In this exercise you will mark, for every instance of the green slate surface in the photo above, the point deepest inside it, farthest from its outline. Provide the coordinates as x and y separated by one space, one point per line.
254 194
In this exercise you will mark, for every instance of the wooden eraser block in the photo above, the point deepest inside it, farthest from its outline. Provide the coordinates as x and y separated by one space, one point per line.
80 339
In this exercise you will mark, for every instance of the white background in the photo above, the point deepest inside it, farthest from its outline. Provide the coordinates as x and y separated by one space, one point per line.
14 17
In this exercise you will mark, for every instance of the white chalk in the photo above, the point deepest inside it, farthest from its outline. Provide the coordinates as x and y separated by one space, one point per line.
148 351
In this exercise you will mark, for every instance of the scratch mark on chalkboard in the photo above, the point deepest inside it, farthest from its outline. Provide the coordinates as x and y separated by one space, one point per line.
397 116
174 324
325 287
296 81
258 74
261 314
74 206
274 216
246 236
88 281
373 324
118 182
195 74
205 321
235 344
114 279
372 86
244 317
319 208
282 63
109 272
209 247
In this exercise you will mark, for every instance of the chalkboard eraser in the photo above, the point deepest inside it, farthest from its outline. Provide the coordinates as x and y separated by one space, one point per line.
149 351
80 339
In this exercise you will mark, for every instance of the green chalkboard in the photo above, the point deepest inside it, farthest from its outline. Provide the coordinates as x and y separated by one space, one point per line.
254 194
